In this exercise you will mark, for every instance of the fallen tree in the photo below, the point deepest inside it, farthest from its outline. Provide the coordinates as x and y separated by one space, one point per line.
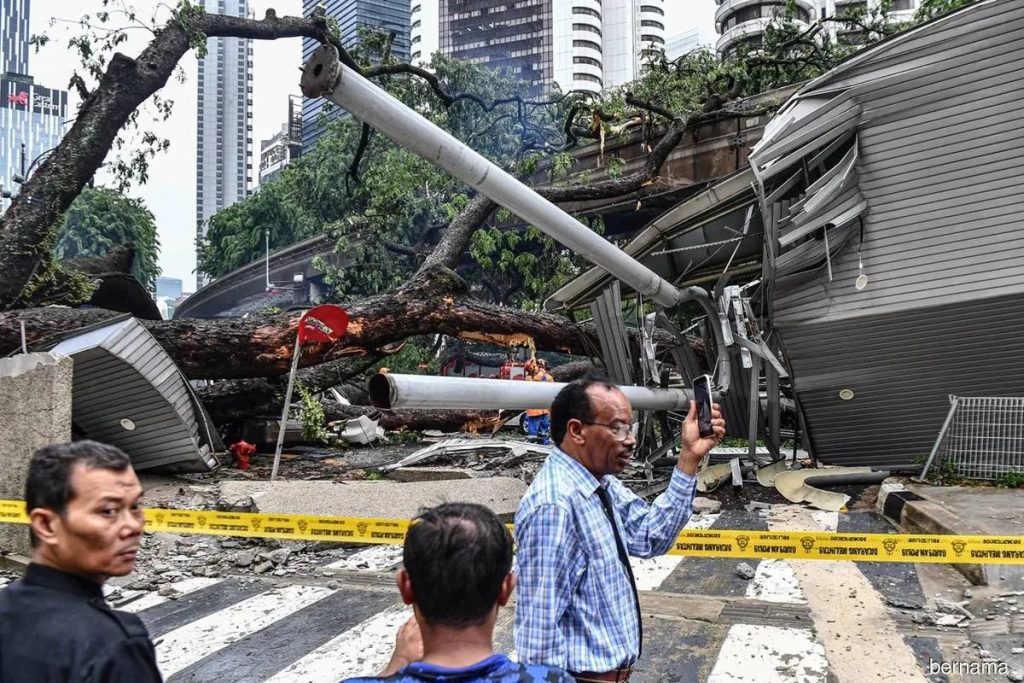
255 352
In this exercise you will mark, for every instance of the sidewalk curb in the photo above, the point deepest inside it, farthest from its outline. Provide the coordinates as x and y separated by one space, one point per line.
915 514
14 563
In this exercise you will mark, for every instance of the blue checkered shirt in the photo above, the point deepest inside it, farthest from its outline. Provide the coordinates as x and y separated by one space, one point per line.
574 602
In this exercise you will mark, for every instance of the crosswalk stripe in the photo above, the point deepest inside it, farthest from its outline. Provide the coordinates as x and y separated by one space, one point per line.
360 651
152 598
774 581
650 572
770 654
190 643
375 558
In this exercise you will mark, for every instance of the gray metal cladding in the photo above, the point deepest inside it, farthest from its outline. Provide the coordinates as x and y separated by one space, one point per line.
122 373
901 370
939 160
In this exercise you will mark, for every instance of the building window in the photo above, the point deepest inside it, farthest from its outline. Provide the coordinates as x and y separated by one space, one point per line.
415 9
586 60
416 39
416 55
652 24
651 9
587 11
416 24
587 77
586 43
902 5
586 27
652 39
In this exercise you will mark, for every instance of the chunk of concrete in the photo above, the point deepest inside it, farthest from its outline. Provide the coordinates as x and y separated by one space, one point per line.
412 474
374 499
35 400
706 506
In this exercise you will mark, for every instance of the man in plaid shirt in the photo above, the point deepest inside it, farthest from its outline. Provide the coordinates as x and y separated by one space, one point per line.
577 606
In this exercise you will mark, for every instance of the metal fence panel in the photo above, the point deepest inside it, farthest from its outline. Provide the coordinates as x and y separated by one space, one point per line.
984 438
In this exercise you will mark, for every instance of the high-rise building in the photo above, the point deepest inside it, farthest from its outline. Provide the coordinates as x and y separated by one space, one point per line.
31 125
578 44
424 30
743 22
351 15
31 116
224 123
286 145
679 45
14 36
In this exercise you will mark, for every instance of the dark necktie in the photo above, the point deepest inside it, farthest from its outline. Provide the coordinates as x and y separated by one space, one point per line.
606 503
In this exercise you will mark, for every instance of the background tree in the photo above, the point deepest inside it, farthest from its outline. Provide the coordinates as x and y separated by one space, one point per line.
101 219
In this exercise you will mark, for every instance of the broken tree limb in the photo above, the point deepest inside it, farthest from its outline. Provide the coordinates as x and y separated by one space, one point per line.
432 302
413 420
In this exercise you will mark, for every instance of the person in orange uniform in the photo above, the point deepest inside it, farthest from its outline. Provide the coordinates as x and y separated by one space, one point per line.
538 420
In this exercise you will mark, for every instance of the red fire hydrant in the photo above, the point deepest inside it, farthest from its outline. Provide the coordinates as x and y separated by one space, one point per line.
242 450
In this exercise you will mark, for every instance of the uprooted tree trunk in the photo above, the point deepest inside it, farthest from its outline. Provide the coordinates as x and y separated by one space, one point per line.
432 302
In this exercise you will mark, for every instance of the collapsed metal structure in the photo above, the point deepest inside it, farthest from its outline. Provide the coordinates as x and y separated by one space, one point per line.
884 200
325 76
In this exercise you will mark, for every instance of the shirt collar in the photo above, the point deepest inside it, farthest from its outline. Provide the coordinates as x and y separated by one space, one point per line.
575 474
48 577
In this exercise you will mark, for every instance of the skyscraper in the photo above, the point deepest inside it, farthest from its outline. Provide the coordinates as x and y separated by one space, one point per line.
14 36
224 123
424 27
578 44
31 116
351 15
743 21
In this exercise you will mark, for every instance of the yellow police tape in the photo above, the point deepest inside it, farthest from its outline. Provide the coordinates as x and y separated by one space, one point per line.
787 545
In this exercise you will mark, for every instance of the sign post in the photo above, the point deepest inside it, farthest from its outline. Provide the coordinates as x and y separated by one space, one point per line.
322 325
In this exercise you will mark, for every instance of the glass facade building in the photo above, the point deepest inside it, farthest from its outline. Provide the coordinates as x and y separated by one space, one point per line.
14 36
31 116
587 45
387 15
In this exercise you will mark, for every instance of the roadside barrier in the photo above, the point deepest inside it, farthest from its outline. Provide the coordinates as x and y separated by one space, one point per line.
785 545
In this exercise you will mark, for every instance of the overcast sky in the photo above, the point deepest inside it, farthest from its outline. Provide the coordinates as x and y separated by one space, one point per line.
170 192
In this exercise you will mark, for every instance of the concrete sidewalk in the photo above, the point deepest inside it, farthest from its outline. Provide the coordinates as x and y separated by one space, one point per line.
960 510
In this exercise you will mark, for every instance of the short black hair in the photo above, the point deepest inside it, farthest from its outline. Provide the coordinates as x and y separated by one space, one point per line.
48 484
573 403
457 555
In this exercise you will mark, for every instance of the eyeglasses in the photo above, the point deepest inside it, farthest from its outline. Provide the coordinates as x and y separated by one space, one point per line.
620 430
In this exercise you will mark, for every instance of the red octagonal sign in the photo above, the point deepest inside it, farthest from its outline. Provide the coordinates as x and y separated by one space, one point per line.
323 324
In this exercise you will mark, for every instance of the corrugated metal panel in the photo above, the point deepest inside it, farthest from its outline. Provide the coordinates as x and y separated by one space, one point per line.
901 370
611 333
709 217
941 156
122 373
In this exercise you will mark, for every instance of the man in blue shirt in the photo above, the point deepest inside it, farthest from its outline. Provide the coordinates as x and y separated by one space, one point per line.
457 572
577 606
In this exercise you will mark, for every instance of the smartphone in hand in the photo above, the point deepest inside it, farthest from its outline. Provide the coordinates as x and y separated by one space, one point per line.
702 395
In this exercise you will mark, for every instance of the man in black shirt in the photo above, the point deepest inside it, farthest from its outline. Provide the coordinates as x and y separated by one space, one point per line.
84 502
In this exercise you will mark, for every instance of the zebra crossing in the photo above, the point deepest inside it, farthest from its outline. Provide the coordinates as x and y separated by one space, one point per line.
701 621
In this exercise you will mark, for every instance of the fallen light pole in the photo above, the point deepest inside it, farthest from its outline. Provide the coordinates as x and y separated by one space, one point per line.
424 392
325 76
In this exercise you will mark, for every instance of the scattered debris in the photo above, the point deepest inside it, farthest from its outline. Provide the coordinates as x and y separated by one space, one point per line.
502 452
706 506
793 485
744 571
360 430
